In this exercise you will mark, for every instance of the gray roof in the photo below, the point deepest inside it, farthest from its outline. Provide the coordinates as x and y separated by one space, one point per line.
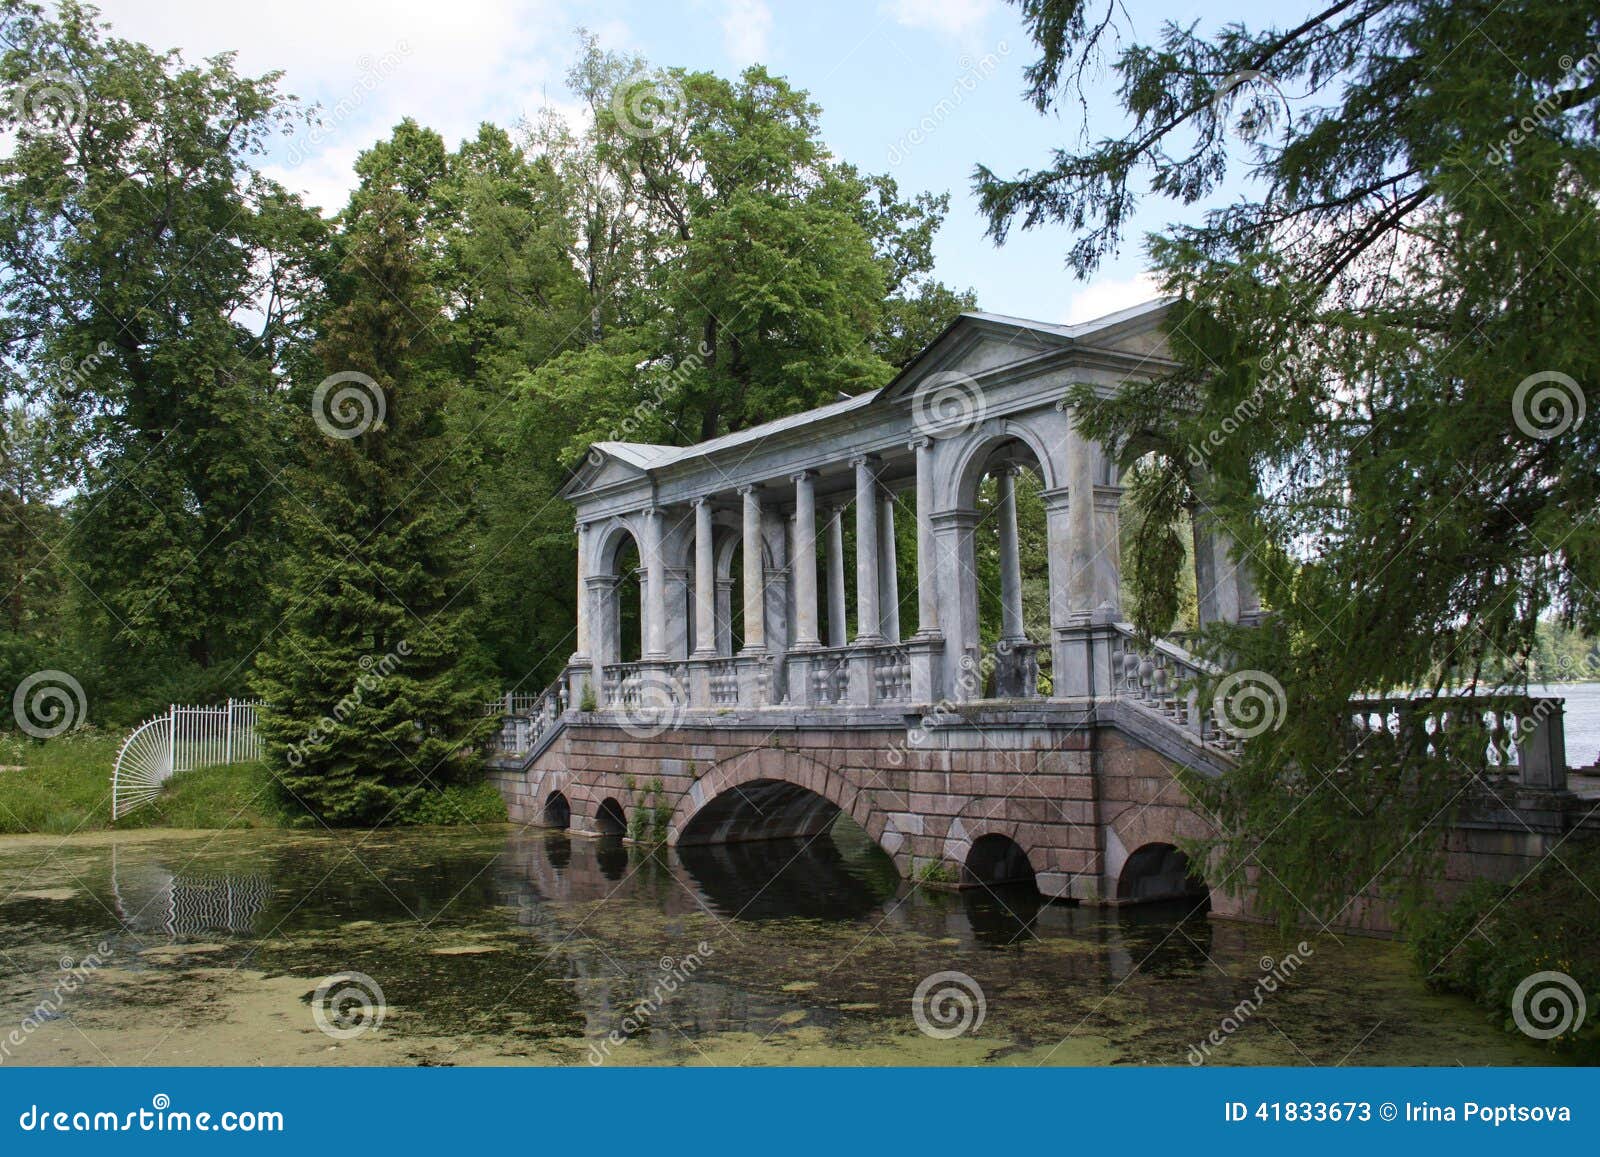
649 456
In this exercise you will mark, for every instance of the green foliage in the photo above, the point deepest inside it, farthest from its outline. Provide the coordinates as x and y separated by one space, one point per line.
134 235
652 813
936 872
59 785
457 803
1494 936
1361 332
372 686
167 312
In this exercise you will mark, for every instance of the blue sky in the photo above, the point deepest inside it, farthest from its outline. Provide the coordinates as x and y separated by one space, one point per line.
879 69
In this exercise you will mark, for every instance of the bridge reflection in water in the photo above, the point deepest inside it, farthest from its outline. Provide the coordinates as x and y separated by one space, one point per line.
543 944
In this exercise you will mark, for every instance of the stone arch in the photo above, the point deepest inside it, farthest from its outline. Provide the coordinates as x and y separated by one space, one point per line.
609 538
803 777
557 811
611 641
968 456
1152 829
1159 872
993 858
610 819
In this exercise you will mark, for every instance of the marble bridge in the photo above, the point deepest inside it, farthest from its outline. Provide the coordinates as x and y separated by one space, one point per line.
840 611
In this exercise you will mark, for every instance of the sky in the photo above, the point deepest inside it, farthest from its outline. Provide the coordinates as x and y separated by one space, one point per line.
921 89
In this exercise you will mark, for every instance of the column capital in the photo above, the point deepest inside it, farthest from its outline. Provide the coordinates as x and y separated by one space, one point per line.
749 489
803 476
700 500
868 460
919 443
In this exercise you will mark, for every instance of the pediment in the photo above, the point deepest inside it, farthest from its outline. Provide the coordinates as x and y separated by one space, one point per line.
612 464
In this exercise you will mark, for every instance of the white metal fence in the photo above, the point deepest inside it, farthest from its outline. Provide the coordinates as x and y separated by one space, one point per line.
181 739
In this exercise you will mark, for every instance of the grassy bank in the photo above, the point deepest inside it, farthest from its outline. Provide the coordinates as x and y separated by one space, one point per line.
64 785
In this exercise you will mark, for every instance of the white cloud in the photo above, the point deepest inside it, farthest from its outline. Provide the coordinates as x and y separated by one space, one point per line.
1108 295
450 66
955 18
745 25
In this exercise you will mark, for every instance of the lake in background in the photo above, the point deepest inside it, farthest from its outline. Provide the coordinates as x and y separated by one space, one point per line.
1582 720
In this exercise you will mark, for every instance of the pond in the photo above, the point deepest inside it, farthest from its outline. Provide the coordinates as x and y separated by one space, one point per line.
509 946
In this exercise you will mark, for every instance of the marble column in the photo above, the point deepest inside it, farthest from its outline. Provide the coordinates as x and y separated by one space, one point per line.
836 578
867 626
805 560
927 587
705 582
655 599
888 573
755 595
1083 564
1010 554
582 649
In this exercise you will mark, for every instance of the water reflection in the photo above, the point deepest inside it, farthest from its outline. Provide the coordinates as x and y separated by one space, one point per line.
151 900
780 879
541 942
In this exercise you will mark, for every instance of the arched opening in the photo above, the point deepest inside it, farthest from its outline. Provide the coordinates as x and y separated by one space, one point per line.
610 820
1010 571
730 592
622 624
557 811
997 859
762 809
1160 872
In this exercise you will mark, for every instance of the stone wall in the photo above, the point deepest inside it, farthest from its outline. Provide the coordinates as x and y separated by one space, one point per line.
925 805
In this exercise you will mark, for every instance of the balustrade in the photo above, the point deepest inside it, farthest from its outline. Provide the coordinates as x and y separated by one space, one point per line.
891 674
830 676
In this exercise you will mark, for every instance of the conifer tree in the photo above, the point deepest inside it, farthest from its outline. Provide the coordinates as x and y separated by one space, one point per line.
373 685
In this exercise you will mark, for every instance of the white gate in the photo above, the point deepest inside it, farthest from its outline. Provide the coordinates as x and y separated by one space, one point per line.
180 739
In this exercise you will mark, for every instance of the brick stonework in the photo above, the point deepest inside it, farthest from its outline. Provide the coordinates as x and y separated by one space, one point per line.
924 807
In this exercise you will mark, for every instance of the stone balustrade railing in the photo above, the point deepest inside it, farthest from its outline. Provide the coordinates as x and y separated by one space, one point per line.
829 672
1166 678
525 718
1510 736
891 674
1514 737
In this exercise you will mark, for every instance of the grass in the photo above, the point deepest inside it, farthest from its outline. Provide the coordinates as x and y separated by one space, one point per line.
63 785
